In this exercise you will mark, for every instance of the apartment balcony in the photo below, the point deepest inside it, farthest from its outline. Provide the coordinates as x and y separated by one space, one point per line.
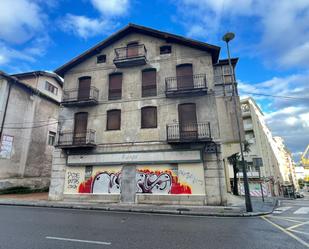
130 56
80 97
70 140
188 133
189 85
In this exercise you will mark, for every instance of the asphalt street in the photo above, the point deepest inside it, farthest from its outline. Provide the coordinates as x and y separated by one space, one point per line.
44 228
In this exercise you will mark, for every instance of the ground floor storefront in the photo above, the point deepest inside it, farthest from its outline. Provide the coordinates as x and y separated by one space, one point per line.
188 177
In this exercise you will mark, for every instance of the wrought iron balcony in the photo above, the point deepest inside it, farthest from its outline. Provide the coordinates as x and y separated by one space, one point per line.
188 133
80 97
130 56
189 85
70 139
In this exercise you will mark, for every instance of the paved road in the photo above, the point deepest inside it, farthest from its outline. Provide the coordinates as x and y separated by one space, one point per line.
47 228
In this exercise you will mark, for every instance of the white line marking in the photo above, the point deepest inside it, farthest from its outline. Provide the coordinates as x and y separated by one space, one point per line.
81 241
281 210
302 210
299 232
286 232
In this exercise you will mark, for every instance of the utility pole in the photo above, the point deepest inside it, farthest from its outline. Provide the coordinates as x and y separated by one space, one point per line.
228 37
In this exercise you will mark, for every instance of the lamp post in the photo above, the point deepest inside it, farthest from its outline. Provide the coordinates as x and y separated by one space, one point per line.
227 38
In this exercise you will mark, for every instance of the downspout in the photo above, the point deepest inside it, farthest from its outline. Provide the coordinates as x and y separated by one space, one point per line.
5 109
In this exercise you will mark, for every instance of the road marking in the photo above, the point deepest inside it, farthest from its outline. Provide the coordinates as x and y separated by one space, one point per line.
295 231
281 210
297 225
286 232
79 240
302 210
283 218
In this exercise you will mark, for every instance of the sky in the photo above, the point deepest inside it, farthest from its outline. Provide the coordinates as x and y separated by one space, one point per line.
272 42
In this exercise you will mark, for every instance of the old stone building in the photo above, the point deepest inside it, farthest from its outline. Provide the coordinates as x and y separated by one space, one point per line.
141 122
29 108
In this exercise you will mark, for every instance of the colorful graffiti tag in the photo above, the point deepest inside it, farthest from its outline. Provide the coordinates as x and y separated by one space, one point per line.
159 182
102 183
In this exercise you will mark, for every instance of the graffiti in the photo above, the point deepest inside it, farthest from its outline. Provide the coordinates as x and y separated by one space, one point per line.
190 177
159 182
102 183
73 180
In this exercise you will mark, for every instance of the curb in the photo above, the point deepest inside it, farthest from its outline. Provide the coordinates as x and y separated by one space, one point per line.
133 209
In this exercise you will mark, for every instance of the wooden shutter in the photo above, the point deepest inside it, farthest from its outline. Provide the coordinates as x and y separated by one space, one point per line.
184 75
84 88
80 127
115 84
149 117
149 84
187 121
113 120
132 49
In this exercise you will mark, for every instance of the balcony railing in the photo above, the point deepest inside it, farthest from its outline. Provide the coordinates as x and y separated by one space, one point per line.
186 85
130 56
190 132
70 139
87 96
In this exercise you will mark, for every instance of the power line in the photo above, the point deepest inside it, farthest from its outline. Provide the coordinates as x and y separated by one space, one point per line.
31 127
276 96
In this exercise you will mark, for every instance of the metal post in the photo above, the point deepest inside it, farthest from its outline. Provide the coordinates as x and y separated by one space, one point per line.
245 177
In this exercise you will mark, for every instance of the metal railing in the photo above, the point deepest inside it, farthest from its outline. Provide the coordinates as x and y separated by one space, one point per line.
189 132
70 138
184 83
130 52
76 95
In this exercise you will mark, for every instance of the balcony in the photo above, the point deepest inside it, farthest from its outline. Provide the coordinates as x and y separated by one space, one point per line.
130 56
189 85
69 140
78 97
188 133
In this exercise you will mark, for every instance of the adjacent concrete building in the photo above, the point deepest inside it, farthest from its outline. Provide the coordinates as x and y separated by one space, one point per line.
142 123
270 167
29 108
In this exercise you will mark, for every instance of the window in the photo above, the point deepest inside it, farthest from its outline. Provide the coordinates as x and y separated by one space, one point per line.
101 58
51 88
149 84
115 83
84 84
113 120
132 49
51 137
149 117
167 49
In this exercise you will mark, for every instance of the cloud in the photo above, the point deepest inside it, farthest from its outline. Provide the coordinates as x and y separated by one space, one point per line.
275 30
20 20
86 27
286 117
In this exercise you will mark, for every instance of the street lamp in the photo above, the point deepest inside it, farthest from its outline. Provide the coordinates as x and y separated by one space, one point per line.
227 38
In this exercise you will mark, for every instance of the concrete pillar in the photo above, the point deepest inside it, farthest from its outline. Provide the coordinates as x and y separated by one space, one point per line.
128 184
56 187
215 187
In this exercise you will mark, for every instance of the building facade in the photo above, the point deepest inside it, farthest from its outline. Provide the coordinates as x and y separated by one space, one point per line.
268 161
29 109
139 122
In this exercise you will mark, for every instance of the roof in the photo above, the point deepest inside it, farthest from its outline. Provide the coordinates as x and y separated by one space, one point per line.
226 62
42 73
130 28
26 87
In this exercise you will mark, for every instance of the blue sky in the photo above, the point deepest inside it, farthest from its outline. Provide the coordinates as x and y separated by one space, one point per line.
272 41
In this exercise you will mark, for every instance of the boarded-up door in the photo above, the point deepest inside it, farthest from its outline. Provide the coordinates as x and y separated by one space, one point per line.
184 75
132 49
80 128
84 88
187 122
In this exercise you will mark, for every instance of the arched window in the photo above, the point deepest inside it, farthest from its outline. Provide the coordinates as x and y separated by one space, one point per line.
113 120
149 117
149 82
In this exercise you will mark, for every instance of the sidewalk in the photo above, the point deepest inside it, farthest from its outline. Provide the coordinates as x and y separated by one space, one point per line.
235 209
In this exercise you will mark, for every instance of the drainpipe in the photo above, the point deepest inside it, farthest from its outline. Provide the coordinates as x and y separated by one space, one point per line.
5 109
